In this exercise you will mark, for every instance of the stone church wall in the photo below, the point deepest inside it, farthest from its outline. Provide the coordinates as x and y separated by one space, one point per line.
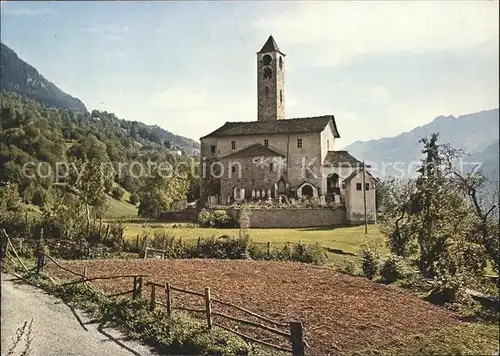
294 218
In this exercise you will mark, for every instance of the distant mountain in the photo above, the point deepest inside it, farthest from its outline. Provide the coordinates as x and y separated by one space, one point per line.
477 133
20 77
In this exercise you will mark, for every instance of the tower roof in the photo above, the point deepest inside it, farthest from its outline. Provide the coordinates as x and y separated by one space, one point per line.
270 46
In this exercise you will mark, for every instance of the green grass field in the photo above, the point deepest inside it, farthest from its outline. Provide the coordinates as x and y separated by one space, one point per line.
348 239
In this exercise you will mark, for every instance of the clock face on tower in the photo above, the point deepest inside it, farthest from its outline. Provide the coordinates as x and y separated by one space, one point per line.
267 73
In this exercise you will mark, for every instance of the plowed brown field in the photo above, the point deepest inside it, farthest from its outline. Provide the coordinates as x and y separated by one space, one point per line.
339 312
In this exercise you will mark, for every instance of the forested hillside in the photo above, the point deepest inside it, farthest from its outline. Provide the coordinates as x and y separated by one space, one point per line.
31 133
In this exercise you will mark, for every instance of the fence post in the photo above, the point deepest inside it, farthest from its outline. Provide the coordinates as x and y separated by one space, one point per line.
134 288
208 307
168 298
152 302
137 242
38 262
140 283
297 338
107 232
85 275
146 252
268 249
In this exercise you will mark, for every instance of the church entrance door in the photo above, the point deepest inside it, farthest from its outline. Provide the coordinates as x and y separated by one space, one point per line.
307 191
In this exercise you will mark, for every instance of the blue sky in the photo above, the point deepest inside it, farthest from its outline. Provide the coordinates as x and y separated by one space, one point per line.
381 68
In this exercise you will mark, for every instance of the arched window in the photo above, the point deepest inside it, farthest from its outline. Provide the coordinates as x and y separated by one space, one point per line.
281 63
281 96
267 90
267 73
266 60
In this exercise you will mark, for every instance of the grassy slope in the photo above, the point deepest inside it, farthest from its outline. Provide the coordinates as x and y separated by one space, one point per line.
348 239
465 339
120 208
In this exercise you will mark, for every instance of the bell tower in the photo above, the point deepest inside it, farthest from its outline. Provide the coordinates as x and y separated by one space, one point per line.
270 82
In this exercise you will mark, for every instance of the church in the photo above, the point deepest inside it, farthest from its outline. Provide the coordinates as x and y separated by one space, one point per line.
276 157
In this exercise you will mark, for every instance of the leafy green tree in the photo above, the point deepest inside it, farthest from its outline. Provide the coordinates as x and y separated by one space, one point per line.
117 193
87 183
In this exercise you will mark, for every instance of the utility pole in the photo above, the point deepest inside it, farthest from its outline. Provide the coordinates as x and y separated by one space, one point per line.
364 197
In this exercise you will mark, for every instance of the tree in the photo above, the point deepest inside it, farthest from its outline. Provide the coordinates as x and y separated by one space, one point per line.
435 218
159 194
134 198
87 183
117 193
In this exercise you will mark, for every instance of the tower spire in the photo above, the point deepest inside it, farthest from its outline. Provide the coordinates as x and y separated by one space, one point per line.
270 46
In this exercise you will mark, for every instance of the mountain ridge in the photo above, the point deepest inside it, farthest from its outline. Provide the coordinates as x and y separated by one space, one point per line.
474 132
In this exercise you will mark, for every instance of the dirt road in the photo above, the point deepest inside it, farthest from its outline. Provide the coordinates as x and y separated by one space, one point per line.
56 329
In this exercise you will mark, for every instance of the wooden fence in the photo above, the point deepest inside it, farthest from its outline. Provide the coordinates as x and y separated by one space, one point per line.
294 333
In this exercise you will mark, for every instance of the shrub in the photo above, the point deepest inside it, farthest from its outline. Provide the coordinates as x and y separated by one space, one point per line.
309 254
351 268
218 219
394 268
134 198
117 193
369 261
223 247
204 218
39 197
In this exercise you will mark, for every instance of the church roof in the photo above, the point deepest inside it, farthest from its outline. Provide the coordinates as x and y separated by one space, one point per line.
256 150
270 46
285 126
342 159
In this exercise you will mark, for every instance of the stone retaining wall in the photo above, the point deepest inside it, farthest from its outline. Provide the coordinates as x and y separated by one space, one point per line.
294 218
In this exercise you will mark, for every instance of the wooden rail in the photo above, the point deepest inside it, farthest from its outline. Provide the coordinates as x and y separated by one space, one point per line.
252 323
250 338
250 313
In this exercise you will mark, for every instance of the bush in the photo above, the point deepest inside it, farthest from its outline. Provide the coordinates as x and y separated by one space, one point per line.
204 218
351 268
218 219
39 197
134 198
117 193
369 262
223 247
394 268
309 254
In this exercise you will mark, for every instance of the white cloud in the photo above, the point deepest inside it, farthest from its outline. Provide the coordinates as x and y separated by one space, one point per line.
340 31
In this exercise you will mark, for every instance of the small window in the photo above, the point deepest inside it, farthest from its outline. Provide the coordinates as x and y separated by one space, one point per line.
281 96
270 167
267 73
367 186
358 186
233 145
327 144
299 143
266 143
233 169
343 185
267 91
212 149
281 63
